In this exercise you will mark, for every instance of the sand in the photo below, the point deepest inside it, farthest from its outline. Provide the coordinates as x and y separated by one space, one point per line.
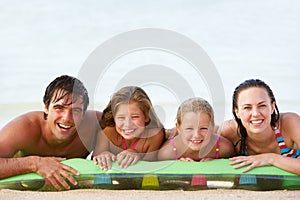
224 194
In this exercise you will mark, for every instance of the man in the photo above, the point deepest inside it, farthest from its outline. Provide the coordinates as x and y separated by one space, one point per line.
64 130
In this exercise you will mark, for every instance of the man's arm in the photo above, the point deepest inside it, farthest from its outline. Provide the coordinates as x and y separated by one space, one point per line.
20 134
14 166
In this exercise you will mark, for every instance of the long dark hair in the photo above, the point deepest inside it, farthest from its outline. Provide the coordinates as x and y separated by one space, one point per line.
241 131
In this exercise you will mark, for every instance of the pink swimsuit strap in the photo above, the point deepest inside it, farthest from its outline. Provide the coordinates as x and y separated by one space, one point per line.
133 145
217 147
175 150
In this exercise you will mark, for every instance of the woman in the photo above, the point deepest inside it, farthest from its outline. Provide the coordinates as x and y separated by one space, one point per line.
261 135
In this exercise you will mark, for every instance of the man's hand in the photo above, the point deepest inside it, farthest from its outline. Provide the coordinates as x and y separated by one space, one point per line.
55 172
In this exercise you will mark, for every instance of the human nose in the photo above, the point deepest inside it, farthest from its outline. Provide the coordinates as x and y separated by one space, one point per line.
197 132
255 111
128 122
67 116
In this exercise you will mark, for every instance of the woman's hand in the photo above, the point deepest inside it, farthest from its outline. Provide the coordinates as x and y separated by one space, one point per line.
128 157
104 160
252 161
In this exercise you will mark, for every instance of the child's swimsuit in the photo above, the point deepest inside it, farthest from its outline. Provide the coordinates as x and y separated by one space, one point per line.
175 150
284 150
133 145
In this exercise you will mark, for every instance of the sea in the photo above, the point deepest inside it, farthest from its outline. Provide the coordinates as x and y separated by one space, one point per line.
173 49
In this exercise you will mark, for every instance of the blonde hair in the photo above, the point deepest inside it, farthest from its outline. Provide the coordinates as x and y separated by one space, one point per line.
195 105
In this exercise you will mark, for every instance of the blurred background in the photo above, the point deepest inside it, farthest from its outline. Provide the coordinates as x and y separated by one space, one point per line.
40 40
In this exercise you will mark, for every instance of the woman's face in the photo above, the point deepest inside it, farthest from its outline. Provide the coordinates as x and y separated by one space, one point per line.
254 108
130 120
194 129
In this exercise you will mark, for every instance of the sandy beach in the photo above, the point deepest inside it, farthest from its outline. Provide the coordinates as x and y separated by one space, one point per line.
41 40
223 194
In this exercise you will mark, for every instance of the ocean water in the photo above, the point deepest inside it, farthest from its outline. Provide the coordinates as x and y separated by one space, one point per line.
40 40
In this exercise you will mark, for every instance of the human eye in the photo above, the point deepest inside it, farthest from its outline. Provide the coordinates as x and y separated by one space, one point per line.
246 107
189 128
135 116
58 107
77 110
120 117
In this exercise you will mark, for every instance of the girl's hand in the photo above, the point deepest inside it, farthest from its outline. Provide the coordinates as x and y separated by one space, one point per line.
205 159
252 161
187 159
128 157
104 160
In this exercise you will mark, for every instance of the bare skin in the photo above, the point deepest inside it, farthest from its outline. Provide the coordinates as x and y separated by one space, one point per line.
68 132
254 110
195 141
130 126
110 148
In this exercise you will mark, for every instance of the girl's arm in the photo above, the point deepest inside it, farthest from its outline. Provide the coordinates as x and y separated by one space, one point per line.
226 148
154 143
102 154
166 152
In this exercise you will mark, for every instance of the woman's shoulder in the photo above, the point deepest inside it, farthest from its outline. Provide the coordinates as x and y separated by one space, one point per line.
289 122
289 116
228 129
289 119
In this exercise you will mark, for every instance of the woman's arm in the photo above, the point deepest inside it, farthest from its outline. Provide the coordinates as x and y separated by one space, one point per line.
267 159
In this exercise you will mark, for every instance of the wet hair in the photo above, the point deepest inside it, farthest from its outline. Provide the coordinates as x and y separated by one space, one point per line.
65 86
195 105
126 95
241 131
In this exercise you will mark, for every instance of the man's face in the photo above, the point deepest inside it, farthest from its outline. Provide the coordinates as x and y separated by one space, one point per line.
64 115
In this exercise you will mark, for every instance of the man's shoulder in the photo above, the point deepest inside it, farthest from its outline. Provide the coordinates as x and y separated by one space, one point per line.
90 114
29 117
24 126
91 120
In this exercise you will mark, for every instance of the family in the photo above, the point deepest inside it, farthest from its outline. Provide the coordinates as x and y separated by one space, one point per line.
129 130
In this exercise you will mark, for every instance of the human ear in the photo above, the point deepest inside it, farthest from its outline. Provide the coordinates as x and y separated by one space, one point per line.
236 110
147 119
46 110
177 127
273 107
